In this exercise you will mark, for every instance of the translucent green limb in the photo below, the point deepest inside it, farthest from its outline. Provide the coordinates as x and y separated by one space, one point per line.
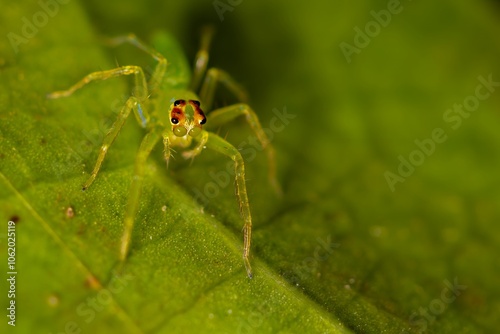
140 81
145 149
133 103
202 140
166 146
140 91
223 115
160 69
201 59
220 145
110 137
213 77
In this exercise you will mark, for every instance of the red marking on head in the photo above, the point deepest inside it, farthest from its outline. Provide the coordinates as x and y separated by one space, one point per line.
177 115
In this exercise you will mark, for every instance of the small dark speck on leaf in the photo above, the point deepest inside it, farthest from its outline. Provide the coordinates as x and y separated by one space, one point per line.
15 219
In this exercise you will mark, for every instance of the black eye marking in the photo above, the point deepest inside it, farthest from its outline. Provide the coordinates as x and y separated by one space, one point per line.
174 120
203 121
178 102
196 102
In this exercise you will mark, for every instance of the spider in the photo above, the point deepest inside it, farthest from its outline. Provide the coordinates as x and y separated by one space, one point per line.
168 108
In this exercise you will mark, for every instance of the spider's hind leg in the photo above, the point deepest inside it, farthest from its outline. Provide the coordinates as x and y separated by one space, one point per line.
213 76
201 58
159 71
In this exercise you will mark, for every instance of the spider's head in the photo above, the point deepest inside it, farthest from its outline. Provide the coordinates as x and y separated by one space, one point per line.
186 117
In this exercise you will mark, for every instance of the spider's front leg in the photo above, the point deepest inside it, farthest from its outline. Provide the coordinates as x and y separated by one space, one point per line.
223 115
220 145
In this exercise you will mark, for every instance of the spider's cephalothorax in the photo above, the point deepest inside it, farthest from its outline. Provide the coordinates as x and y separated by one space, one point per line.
186 118
184 126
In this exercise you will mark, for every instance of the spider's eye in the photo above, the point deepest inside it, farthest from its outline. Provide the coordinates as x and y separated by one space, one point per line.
177 102
180 131
174 120
196 102
195 132
203 121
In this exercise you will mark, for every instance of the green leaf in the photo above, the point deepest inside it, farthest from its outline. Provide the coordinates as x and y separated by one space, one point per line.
340 252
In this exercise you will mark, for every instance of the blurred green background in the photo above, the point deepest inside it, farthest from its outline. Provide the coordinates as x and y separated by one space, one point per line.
342 251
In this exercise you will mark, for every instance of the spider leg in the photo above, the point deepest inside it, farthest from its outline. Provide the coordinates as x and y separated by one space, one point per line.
166 147
136 103
159 71
132 103
220 145
140 81
202 140
213 77
145 149
227 114
140 88
201 58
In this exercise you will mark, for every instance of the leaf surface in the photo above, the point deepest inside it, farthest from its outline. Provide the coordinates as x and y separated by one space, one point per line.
340 252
